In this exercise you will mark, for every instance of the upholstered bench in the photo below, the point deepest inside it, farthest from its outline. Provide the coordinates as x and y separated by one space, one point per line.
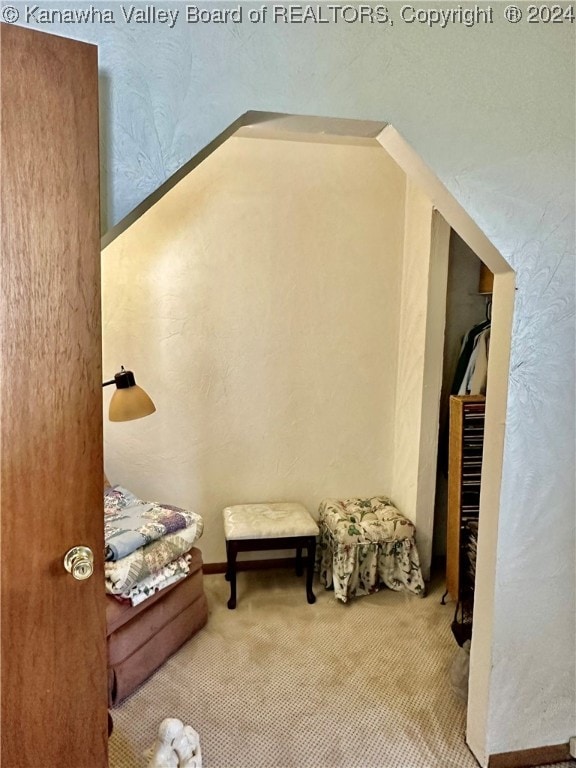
140 638
364 543
278 525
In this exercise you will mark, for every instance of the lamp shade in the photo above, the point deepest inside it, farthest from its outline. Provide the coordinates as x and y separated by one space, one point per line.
129 401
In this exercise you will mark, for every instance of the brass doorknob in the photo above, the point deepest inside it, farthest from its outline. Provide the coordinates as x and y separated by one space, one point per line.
79 561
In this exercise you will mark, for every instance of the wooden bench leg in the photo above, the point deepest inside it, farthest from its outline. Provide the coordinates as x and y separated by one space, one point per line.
299 568
233 546
310 561
231 552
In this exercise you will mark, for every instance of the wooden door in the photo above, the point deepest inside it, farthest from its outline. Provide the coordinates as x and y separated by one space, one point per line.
53 627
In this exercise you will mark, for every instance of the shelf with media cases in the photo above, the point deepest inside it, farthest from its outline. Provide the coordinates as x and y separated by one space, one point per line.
466 444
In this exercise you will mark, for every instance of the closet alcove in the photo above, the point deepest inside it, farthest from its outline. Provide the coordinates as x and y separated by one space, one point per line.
290 283
461 431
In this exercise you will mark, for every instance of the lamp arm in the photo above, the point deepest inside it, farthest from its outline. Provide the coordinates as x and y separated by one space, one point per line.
107 383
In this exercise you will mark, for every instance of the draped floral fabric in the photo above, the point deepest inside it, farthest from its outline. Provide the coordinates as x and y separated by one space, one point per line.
365 543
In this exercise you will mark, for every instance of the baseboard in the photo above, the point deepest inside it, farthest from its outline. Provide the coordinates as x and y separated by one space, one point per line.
527 758
251 565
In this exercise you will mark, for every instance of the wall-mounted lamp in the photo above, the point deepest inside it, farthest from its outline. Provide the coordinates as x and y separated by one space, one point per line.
129 401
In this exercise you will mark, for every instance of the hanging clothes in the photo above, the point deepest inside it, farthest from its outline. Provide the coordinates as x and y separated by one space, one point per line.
468 357
477 372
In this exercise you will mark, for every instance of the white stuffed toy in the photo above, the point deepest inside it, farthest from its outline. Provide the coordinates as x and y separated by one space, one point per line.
177 746
187 747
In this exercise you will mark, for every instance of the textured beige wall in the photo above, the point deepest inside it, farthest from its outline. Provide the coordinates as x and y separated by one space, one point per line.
420 341
258 304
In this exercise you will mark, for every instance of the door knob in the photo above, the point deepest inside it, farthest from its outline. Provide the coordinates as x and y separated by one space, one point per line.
79 561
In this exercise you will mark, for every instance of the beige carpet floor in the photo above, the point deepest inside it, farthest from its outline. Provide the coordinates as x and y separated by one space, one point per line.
278 683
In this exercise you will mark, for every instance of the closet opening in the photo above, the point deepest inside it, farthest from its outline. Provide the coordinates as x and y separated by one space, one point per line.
163 231
461 429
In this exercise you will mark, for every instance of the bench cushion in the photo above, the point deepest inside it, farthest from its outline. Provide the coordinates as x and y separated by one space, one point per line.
268 521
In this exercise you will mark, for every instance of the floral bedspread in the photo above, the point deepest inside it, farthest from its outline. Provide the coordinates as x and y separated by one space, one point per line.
130 523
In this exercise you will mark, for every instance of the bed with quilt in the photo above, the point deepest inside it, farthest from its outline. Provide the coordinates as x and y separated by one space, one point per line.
155 597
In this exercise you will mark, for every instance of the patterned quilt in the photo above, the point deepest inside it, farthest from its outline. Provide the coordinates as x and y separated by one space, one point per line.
130 523
123 574
175 571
